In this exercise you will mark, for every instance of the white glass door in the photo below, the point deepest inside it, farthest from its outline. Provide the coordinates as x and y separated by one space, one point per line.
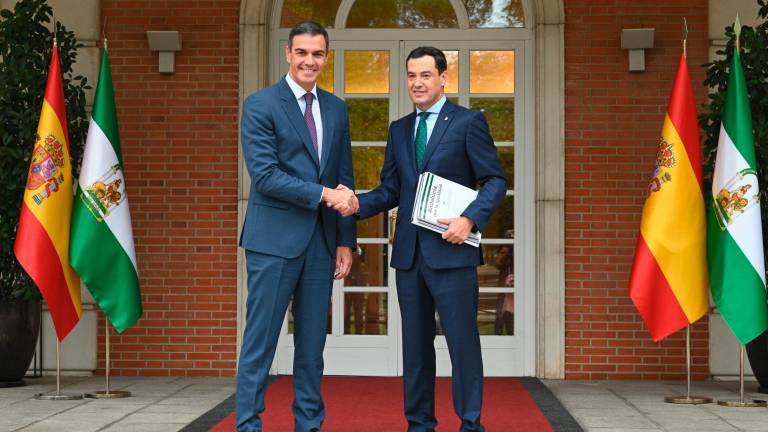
364 320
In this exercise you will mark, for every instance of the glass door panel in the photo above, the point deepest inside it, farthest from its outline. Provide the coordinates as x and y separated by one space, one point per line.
325 81
492 71
365 313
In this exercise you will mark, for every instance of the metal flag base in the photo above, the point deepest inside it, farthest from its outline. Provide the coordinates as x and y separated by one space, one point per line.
741 402
58 395
41 396
754 403
108 394
111 394
690 400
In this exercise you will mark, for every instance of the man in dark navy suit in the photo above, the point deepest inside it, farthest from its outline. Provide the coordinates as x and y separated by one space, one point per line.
438 271
296 146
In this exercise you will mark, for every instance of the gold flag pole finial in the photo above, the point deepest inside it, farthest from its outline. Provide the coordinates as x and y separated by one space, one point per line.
685 37
55 43
737 31
104 32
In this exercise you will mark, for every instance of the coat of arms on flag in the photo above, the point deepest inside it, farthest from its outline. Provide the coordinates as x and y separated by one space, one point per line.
665 158
46 167
104 194
736 197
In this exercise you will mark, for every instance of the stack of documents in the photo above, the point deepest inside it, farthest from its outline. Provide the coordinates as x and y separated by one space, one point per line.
439 198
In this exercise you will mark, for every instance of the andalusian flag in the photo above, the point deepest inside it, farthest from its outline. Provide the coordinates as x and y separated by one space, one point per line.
735 237
42 237
102 237
668 283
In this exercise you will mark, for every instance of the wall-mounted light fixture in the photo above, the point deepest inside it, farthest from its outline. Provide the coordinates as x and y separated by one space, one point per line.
636 41
166 43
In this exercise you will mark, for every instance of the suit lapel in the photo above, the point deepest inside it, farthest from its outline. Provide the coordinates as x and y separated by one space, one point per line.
291 107
328 127
443 120
409 140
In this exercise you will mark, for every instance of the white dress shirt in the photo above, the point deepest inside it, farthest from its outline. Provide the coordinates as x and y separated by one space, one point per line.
299 92
431 119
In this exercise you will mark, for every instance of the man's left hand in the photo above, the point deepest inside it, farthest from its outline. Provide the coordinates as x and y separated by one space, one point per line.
343 262
458 229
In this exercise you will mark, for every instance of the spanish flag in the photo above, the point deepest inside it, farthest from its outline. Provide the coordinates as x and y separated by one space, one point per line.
42 238
669 280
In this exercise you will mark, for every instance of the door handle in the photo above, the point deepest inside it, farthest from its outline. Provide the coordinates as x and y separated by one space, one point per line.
392 225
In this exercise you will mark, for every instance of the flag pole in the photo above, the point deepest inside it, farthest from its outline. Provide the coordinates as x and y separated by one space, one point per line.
741 402
107 393
685 38
58 395
688 399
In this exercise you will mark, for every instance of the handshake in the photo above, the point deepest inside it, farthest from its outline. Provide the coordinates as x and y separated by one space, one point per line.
341 199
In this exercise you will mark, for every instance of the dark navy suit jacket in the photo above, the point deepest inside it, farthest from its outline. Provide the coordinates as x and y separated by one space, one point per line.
286 177
460 149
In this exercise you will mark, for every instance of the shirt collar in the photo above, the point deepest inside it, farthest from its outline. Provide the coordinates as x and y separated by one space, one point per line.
436 107
297 90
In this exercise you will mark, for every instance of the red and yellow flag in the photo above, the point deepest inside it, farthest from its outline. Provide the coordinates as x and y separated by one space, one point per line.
42 238
669 280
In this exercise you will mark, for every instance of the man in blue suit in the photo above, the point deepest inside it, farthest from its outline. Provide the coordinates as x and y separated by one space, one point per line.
433 270
297 149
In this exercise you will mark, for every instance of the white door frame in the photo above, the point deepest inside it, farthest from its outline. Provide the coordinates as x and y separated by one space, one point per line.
380 355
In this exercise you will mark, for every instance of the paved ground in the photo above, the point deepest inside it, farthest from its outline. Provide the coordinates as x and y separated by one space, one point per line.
157 405
633 406
168 404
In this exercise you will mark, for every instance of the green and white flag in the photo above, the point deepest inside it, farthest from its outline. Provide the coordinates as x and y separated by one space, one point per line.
101 240
734 231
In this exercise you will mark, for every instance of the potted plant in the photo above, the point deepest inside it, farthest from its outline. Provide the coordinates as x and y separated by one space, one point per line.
25 49
754 45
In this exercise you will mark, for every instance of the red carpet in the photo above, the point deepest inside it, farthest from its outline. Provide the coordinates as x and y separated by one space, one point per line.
355 404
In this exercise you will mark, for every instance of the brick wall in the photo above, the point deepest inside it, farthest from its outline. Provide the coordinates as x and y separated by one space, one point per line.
179 137
613 122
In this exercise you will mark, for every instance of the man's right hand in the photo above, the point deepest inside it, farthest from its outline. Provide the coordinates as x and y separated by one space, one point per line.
341 199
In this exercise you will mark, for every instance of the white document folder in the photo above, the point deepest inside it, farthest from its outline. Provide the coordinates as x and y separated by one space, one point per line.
439 198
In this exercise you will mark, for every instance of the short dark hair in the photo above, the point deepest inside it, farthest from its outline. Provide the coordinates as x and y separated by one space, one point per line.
307 27
439 56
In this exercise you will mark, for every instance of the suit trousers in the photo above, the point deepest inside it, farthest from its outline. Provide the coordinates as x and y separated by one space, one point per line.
272 281
454 293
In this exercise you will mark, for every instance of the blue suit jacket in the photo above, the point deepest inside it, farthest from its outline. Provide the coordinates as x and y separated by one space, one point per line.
286 177
460 149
